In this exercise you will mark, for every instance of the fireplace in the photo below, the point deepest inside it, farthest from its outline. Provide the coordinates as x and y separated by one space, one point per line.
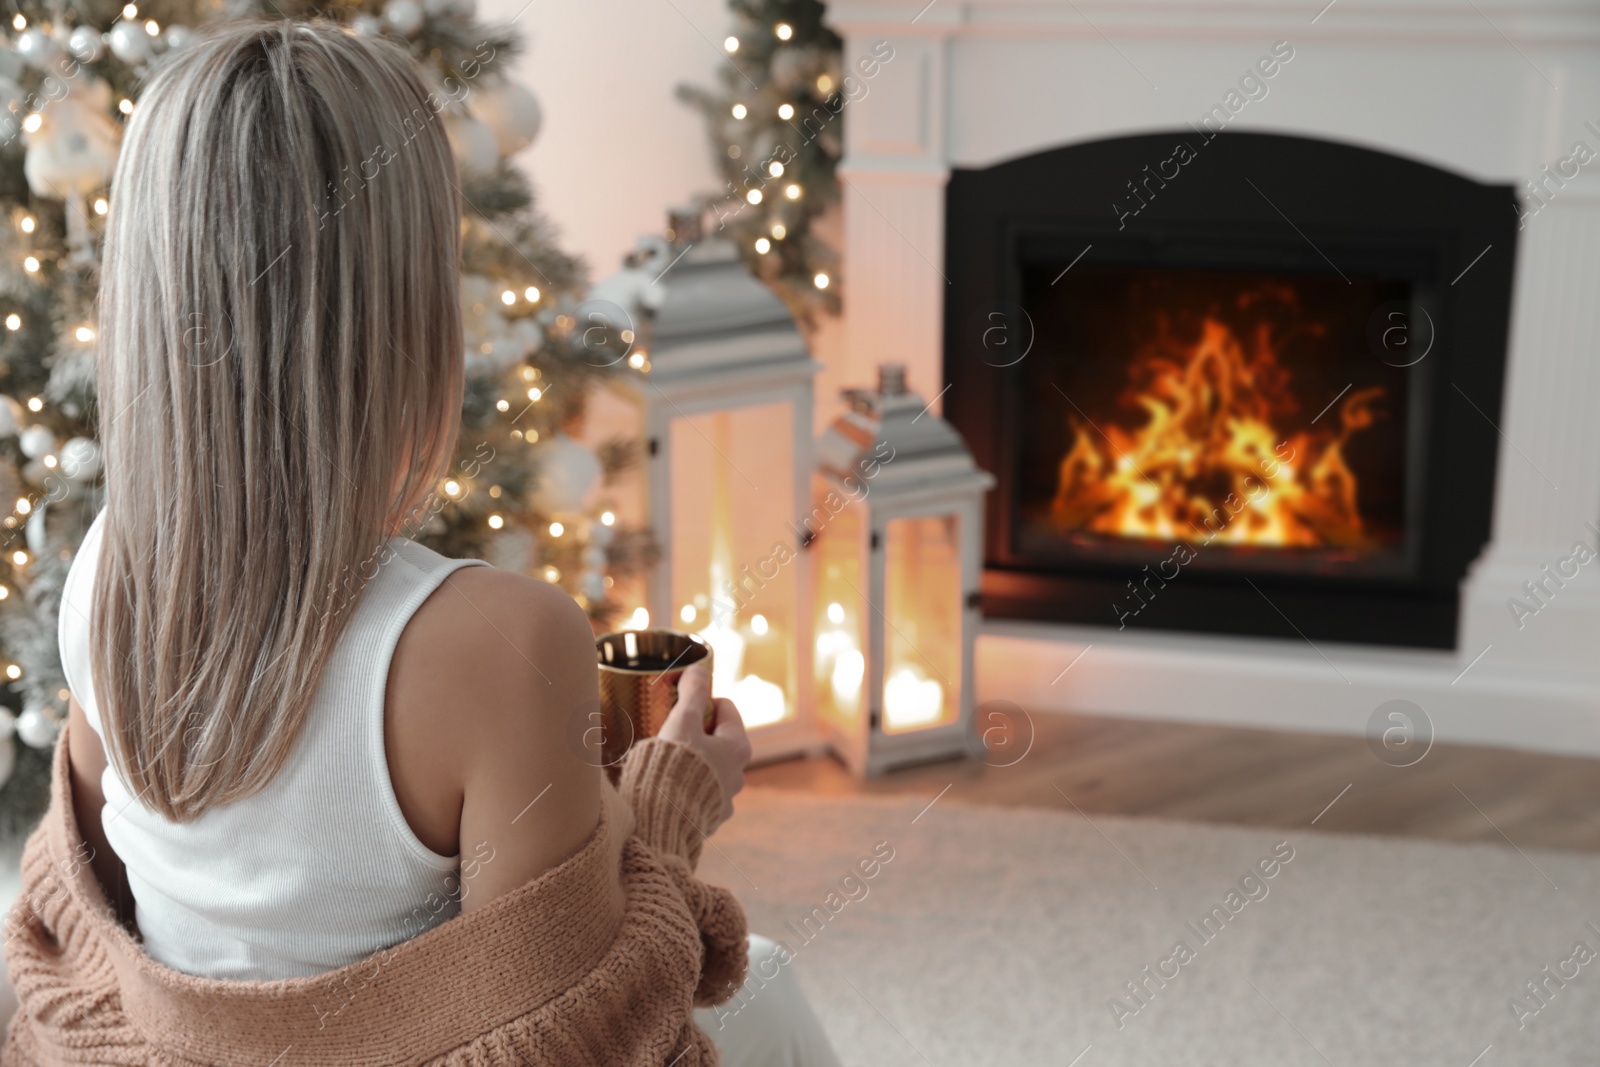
1233 382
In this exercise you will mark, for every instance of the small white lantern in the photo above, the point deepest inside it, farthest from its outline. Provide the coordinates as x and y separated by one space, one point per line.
896 531
724 379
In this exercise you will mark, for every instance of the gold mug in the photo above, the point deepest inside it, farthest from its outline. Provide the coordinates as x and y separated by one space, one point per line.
639 674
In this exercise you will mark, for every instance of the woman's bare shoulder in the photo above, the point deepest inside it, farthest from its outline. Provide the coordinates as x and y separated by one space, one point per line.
488 689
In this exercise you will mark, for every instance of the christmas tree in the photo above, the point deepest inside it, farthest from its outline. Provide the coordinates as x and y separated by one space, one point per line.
524 492
776 131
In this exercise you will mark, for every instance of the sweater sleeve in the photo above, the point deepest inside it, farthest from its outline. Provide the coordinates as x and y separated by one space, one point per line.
675 796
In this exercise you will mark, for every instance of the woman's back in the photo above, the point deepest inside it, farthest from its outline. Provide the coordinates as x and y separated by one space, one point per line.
320 868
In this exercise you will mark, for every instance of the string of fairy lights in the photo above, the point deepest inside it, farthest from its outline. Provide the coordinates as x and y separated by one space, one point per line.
776 227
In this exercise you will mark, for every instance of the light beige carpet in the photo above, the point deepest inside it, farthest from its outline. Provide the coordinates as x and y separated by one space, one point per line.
1000 936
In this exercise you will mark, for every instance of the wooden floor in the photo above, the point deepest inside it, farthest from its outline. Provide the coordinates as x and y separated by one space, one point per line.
1255 778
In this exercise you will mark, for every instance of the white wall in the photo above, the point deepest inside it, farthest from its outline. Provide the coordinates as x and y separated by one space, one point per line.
617 148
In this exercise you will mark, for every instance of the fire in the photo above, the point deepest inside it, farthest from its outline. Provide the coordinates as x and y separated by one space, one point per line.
1210 460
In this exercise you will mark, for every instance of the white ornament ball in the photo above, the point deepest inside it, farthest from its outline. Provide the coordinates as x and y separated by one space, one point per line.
35 532
10 416
80 459
73 150
37 441
84 43
527 334
37 729
473 144
367 25
8 758
512 112
569 472
178 36
37 47
592 585
130 43
514 550
404 16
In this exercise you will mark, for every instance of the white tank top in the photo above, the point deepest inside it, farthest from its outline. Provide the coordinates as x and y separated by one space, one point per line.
319 869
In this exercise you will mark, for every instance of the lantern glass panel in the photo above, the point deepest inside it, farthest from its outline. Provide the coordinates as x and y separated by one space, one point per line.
733 579
922 591
839 625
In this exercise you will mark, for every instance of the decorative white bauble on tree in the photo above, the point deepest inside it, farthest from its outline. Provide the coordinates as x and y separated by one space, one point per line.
36 441
513 549
37 728
80 459
528 335
130 43
403 16
74 150
367 25
472 143
177 36
35 531
512 112
37 47
84 43
568 474
592 585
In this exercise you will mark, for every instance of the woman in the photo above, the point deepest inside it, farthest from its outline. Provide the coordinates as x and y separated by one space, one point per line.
334 786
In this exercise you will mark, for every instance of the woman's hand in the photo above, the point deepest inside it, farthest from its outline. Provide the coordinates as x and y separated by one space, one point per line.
726 747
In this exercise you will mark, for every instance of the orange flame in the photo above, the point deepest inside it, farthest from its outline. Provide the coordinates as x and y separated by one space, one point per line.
1209 462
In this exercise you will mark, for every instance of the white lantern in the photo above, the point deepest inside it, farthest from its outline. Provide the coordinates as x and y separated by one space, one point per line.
724 381
896 533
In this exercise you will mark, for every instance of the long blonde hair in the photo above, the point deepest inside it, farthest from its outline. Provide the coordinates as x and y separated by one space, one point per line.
280 384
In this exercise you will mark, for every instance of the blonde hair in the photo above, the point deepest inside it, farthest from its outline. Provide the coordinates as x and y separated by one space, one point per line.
280 384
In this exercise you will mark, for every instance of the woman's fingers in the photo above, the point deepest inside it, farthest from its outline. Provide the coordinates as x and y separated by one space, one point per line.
730 726
694 689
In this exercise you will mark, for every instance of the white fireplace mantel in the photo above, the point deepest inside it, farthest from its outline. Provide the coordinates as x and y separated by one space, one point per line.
1495 91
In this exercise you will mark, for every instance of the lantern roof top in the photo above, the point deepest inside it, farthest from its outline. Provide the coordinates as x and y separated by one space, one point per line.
892 437
710 314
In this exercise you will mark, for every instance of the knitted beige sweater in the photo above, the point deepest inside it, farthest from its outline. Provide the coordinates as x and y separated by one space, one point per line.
598 961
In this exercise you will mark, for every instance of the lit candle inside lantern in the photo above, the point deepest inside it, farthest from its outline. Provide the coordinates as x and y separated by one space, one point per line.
848 670
760 702
909 700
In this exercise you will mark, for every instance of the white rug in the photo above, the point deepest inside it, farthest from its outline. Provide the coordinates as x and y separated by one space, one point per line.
998 936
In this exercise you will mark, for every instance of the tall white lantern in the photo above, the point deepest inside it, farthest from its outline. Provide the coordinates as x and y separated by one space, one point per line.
896 532
724 379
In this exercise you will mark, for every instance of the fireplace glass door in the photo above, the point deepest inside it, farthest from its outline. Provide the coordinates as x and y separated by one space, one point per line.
1239 414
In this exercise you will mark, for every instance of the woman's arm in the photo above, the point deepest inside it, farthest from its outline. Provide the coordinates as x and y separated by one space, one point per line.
488 695
88 802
